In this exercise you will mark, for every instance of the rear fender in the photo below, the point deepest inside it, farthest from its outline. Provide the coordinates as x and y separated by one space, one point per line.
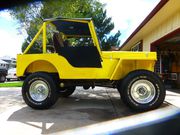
40 66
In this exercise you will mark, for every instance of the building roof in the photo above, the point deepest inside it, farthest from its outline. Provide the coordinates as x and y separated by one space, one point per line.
6 58
159 14
3 62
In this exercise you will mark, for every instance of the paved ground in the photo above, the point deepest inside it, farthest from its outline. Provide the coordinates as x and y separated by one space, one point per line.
81 109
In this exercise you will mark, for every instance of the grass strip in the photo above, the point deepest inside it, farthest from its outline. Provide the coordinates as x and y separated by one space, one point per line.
11 84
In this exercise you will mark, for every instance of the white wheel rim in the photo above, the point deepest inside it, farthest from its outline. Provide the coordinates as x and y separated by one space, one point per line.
143 91
38 90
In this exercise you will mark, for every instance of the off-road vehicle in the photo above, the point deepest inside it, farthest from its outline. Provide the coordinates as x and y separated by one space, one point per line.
74 58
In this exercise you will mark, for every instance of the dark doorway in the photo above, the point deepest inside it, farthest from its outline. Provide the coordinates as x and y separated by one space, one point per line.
168 53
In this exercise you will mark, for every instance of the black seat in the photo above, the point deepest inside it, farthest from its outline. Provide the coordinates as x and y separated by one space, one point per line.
57 41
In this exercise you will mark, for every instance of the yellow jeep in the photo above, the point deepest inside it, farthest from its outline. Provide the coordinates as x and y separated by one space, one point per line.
76 59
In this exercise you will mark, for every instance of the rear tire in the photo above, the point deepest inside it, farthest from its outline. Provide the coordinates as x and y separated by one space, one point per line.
39 91
142 90
86 87
66 92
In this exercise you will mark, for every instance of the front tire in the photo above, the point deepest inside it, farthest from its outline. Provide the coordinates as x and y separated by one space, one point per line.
142 90
39 91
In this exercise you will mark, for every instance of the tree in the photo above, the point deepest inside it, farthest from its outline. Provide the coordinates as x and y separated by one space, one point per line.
31 16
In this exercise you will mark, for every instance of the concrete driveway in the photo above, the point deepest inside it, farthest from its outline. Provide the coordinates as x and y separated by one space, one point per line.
81 109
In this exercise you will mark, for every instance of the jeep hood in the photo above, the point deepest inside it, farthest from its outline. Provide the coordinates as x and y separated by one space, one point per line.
129 55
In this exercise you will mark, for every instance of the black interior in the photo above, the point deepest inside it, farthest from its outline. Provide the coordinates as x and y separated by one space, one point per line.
78 56
81 56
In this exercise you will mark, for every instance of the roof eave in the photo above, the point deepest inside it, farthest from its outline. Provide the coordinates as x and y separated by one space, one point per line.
145 21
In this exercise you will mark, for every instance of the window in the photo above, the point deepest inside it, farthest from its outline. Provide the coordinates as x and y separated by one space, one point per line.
137 47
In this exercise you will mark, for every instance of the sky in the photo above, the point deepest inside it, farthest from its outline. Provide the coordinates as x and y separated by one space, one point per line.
10 40
126 15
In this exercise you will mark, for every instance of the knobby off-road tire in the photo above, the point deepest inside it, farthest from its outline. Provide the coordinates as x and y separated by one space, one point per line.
142 90
66 92
39 91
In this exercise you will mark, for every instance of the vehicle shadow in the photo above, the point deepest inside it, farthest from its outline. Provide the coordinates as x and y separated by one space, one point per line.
174 90
80 109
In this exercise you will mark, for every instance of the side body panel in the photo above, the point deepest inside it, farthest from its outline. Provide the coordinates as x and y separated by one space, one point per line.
53 63
115 65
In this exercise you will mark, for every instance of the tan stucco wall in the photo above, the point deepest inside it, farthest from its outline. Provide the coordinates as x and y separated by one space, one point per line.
168 26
